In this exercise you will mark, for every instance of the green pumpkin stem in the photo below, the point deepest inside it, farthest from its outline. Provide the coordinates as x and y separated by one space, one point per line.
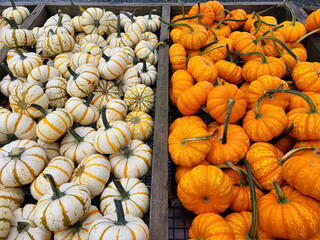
18 51
144 66
293 151
272 29
182 8
281 43
76 136
257 24
52 32
263 57
230 19
104 118
303 37
206 51
226 121
16 152
73 73
55 189
311 104
211 30
281 197
293 15
208 45
107 58
187 18
59 23
267 9
150 13
6 68
40 108
78 11
130 16
186 140
89 99
13 4
253 232
282 135
177 25
121 221
24 225
96 22
118 27
124 195
242 174
12 23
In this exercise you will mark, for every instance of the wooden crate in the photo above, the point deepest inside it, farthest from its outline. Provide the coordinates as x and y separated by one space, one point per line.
179 218
158 214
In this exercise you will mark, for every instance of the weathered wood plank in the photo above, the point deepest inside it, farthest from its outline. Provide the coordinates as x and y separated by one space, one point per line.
159 192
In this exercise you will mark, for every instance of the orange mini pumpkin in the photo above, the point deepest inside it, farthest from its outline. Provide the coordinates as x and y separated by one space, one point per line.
205 189
178 57
202 69
180 81
306 76
313 21
186 120
205 12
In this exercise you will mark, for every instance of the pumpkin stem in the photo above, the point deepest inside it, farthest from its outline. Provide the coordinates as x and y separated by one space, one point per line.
187 18
55 189
208 45
272 29
126 151
281 197
96 22
257 24
60 15
75 228
253 232
40 108
78 11
263 57
303 37
89 99
226 121
12 23
118 27
211 30
52 32
267 9
150 13
311 104
230 19
18 51
282 135
144 66
107 58
23 225
293 15
206 51
13 4
186 140
293 151
243 176
124 195
281 43
182 8
104 118
178 24
73 73
121 221
6 68
16 152
130 16
76 136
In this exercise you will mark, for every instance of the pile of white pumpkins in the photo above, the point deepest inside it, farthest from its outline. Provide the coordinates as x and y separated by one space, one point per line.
80 95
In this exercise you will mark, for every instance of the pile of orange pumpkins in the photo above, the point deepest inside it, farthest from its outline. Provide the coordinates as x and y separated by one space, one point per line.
78 125
257 160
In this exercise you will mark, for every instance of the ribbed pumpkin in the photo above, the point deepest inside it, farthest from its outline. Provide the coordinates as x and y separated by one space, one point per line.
42 74
297 216
177 55
185 120
205 189
140 124
105 92
202 69
139 97
298 102
58 43
210 226
206 13
180 171
9 82
229 71
191 100
94 20
312 22
18 13
6 217
13 197
306 76
180 81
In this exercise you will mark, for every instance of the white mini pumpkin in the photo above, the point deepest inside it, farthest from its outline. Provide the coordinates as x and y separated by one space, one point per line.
116 111
139 98
12 196
42 74
81 58
9 82
18 13
61 61
94 20
56 90
51 149
105 92
6 217
140 124
148 73
94 38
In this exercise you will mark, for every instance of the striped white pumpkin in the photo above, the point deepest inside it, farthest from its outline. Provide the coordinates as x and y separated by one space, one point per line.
93 172
112 19
94 20
79 37
13 52
83 81
42 74
9 82
21 161
139 98
151 38
13 38
12 196
24 229
140 124
125 19
116 110
52 150
132 161
18 13
61 61
80 230
111 138
59 23
91 48
4 110
58 43
134 196
54 125
129 39
148 73
38 31
130 78
62 207
131 55
76 23
18 125
22 65
56 90
153 22
24 95
39 47
81 58
6 217
105 92
113 64
139 24
94 38
82 111
60 168
78 143
145 50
